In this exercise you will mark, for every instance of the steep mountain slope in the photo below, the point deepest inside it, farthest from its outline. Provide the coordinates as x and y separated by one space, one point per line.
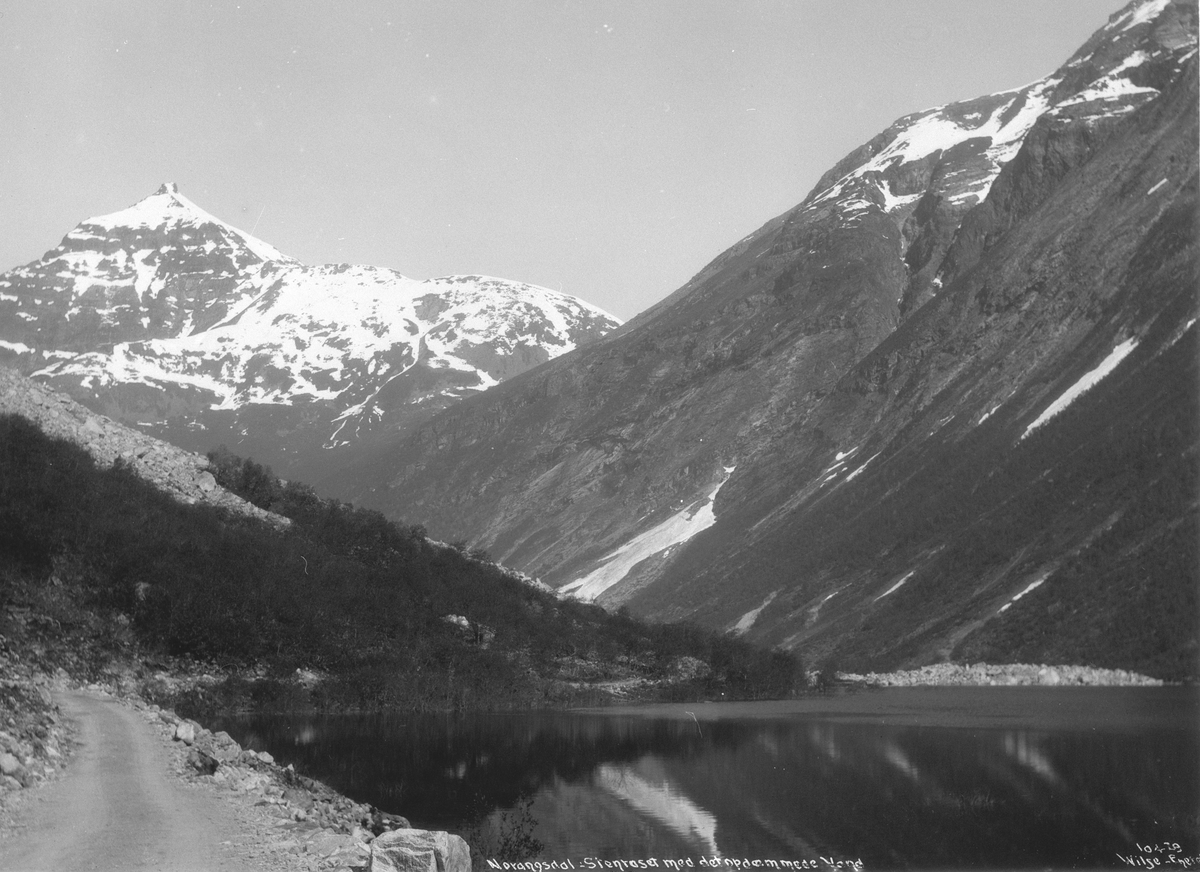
727 454
1014 470
164 316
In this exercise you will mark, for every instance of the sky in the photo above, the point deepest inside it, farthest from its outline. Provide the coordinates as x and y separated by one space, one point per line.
605 149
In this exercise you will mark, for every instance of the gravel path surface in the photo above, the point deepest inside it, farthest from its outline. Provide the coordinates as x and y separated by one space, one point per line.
122 806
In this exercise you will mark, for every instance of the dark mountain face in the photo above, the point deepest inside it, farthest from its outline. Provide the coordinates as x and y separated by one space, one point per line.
956 488
163 316
864 429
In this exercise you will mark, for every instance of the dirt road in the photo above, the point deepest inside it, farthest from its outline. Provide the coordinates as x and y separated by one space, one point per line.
119 807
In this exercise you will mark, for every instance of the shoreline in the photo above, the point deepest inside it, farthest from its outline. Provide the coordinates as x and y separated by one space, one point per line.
285 820
301 823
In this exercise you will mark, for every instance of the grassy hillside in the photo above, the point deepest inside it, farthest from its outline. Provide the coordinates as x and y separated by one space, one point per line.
344 594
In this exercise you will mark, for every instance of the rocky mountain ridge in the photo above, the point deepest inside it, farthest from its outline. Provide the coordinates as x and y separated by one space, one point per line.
163 316
979 264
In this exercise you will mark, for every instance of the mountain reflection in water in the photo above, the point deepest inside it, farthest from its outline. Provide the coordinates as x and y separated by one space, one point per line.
927 778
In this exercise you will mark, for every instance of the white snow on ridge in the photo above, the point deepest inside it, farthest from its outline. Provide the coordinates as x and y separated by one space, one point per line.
933 130
1140 15
318 331
1088 380
1108 88
675 530
1015 111
167 207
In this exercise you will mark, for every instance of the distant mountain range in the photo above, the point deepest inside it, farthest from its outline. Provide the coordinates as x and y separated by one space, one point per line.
944 407
163 316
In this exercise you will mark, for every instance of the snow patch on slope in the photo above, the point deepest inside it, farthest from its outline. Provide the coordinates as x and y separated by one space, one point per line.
895 587
675 530
1032 586
1087 381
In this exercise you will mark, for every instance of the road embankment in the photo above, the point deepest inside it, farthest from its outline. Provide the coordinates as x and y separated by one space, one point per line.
136 786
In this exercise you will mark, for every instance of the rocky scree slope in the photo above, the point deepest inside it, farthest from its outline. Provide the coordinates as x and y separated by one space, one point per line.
974 264
182 474
164 317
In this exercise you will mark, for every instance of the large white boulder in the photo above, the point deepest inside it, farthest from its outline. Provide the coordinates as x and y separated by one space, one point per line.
419 851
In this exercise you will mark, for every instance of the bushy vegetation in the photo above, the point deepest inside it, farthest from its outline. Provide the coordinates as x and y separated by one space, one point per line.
343 593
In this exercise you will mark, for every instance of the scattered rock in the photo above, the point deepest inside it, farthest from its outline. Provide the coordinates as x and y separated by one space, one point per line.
202 761
411 850
321 829
300 799
185 733
12 767
989 674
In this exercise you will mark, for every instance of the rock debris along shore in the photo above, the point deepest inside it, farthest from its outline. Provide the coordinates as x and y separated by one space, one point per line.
182 474
311 820
287 821
1000 675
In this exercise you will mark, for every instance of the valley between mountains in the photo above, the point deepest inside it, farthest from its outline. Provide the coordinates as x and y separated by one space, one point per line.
943 409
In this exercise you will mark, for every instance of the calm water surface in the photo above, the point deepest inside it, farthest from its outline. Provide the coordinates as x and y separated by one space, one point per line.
895 778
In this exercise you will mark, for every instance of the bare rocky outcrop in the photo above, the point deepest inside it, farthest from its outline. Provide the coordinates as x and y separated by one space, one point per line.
182 474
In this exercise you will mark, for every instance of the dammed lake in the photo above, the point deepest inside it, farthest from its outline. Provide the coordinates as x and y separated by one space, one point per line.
923 778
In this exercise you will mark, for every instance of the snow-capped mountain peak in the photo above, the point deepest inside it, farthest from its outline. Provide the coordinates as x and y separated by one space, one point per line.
165 315
167 209
1123 66
930 167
